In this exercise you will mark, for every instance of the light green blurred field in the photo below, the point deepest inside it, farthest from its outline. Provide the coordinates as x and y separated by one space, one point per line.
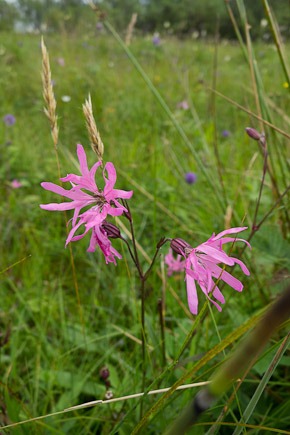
52 345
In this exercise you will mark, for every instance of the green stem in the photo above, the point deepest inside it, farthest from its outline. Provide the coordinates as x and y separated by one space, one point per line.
277 39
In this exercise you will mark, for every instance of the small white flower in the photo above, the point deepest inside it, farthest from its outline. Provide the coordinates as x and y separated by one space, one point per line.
264 22
66 98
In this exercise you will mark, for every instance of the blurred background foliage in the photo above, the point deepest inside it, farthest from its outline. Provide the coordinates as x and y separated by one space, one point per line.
182 18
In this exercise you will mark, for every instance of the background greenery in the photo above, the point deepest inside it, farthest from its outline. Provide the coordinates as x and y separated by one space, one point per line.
58 328
178 17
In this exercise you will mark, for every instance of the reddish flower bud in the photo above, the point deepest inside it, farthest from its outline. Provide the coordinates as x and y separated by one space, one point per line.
179 245
112 231
104 373
253 133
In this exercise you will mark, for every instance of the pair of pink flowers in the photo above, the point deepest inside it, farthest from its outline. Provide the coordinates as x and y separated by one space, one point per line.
201 266
85 193
200 263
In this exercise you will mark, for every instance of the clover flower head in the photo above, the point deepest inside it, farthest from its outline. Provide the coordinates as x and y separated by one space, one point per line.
98 203
201 265
190 177
156 39
9 120
226 133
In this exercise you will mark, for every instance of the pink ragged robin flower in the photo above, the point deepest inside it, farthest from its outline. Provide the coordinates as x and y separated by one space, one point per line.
201 266
15 184
99 203
174 264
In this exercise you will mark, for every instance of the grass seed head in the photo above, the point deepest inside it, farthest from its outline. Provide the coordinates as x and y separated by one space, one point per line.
48 95
94 135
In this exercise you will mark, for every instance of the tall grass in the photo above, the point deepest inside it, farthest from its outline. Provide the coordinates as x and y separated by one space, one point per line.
54 340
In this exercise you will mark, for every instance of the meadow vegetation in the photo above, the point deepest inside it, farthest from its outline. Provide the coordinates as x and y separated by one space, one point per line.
62 323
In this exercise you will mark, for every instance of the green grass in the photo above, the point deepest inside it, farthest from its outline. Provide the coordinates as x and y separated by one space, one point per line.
52 347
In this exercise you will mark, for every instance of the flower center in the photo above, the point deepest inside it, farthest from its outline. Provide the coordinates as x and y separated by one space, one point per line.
100 199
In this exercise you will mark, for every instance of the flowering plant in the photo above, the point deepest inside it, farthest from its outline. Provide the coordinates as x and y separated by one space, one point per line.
85 193
201 265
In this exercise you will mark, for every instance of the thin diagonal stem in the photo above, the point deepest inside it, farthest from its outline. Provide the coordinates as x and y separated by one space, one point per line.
130 252
265 166
277 39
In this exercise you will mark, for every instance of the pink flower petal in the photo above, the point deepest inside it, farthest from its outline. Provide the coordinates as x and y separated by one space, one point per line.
191 295
111 180
83 160
215 254
218 295
229 231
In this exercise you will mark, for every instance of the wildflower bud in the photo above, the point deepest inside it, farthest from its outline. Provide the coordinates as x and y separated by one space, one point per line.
104 373
112 231
190 177
253 133
179 245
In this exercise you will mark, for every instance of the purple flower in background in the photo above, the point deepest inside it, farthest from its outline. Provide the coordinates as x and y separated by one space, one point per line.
226 133
156 39
201 266
190 177
9 120
183 105
99 26
85 193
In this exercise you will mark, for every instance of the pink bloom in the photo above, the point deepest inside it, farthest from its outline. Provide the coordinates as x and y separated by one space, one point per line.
85 193
183 105
61 61
15 184
99 237
174 264
201 266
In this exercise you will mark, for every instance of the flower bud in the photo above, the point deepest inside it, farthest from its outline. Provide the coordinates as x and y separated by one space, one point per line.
104 373
253 133
190 177
179 245
112 231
